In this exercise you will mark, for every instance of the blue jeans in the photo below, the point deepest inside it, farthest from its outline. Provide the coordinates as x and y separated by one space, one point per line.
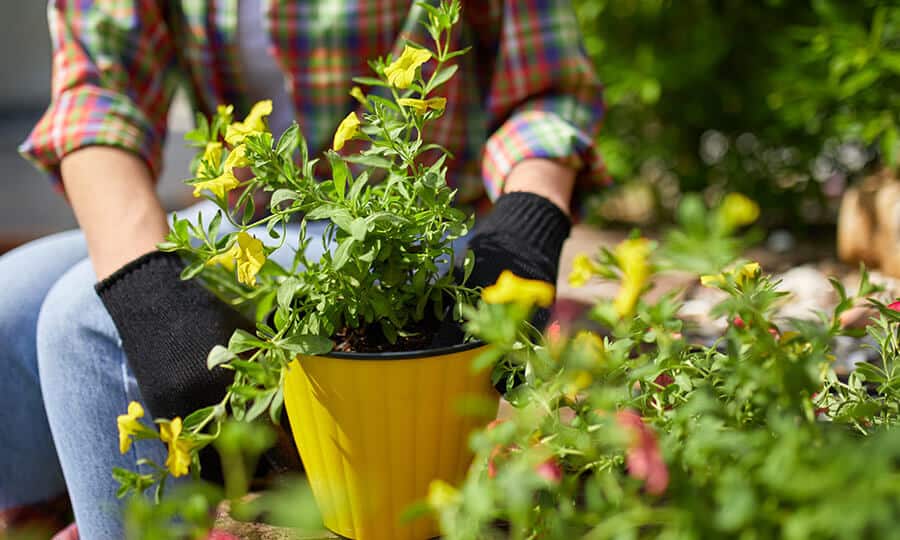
65 379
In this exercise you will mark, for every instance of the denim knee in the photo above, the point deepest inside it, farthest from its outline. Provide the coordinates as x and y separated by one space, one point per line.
86 385
29 471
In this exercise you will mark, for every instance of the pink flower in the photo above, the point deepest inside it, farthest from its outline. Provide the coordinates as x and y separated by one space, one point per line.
664 379
643 458
550 471
895 305
217 534
554 332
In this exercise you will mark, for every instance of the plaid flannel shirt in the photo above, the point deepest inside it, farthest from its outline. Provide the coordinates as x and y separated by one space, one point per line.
526 89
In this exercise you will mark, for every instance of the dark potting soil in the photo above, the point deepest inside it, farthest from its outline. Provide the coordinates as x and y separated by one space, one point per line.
370 339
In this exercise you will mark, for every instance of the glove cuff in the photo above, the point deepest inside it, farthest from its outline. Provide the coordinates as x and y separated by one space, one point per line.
167 327
531 216
154 263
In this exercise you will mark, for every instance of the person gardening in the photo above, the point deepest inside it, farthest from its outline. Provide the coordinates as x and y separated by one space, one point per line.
97 318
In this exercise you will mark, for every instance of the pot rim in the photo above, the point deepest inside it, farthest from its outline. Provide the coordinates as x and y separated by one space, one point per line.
405 355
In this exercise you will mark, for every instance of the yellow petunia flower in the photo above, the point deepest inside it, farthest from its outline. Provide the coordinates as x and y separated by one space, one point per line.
737 210
583 270
358 95
422 105
237 157
248 253
441 494
209 163
579 382
634 261
129 425
179 460
253 124
739 275
402 71
219 185
588 339
348 127
512 288
226 181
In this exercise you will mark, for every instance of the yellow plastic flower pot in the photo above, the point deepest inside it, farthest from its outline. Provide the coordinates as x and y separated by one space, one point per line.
374 430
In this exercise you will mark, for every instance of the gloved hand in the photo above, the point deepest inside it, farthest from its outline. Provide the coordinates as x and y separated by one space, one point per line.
167 327
523 233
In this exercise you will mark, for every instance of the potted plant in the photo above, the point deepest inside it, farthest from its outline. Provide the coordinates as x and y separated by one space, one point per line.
343 341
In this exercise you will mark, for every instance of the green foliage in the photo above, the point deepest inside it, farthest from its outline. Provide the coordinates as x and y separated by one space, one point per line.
778 100
643 434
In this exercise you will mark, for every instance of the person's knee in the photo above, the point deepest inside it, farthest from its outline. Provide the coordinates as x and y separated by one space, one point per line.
27 273
72 318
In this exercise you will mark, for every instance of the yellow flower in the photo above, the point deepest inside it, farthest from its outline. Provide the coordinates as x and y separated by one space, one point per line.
209 163
583 270
422 105
179 460
737 210
226 181
582 380
402 70
512 288
249 255
219 185
634 261
345 131
253 124
237 157
747 271
358 95
588 339
129 425
441 494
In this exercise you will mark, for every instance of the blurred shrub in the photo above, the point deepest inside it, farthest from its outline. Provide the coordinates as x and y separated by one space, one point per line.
784 101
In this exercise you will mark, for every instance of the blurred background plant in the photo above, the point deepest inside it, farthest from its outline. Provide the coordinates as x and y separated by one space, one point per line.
783 101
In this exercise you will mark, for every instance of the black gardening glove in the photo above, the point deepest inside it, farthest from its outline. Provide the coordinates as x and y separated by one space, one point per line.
168 326
524 234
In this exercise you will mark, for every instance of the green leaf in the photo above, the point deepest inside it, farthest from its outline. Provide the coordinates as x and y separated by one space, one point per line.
342 253
468 265
858 81
340 171
338 215
219 355
358 229
242 341
282 195
260 405
213 231
370 160
192 270
195 418
358 185
487 359
289 140
443 76
306 344
370 81
287 290
276 404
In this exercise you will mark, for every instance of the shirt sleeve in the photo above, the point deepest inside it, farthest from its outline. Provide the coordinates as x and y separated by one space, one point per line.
113 78
544 100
